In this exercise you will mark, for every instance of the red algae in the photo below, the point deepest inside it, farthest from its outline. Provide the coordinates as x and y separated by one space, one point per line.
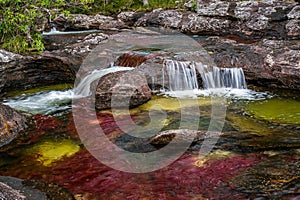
83 174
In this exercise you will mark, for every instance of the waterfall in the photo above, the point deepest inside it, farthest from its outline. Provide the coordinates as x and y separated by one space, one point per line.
214 77
181 75
84 86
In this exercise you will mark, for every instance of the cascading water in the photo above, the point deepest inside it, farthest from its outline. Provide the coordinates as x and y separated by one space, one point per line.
56 102
214 77
84 87
180 80
182 76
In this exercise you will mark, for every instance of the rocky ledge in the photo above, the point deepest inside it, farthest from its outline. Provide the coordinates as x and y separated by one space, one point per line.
252 19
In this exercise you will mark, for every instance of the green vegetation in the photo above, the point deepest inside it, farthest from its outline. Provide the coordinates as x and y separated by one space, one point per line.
21 21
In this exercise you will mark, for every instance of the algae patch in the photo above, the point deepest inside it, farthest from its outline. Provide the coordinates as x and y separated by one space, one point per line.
283 111
48 152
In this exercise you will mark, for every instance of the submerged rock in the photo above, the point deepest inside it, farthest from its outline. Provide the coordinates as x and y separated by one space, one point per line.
12 123
182 135
122 90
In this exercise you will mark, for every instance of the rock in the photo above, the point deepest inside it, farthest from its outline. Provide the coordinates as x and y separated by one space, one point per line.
196 24
122 90
18 189
182 135
169 18
250 19
9 193
191 4
295 13
244 10
214 8
293 28
268 63
6 56
132 59
29 72
86 22
57 66
12 123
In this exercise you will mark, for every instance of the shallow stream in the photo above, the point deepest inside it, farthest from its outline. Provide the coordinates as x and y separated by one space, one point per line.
257 155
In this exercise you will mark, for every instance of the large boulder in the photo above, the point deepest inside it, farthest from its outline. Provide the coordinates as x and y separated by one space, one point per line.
12 123
122 90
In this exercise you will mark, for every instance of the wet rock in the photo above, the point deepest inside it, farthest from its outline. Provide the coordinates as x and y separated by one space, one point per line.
18 189
132 59
56 66
275 177
12 123
29 72
122 90
269 63
182 135
86 22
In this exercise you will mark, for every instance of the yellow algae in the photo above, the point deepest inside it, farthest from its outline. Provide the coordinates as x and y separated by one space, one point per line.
283 111
215 155
51 151
247 124
173 104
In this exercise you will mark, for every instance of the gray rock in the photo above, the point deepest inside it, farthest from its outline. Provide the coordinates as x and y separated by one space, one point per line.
86 22
9 193
6 56
122 90
293 28
268 63
245 9
17 189
295 13
214 8
259 23
170 18
199 24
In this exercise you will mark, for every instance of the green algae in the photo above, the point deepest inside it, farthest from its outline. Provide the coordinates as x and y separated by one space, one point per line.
282 111
249 125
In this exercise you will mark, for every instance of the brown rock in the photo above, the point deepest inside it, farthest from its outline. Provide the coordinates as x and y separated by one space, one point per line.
12 123
122 90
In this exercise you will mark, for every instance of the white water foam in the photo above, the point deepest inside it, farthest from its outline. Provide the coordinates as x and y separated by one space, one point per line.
53 31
